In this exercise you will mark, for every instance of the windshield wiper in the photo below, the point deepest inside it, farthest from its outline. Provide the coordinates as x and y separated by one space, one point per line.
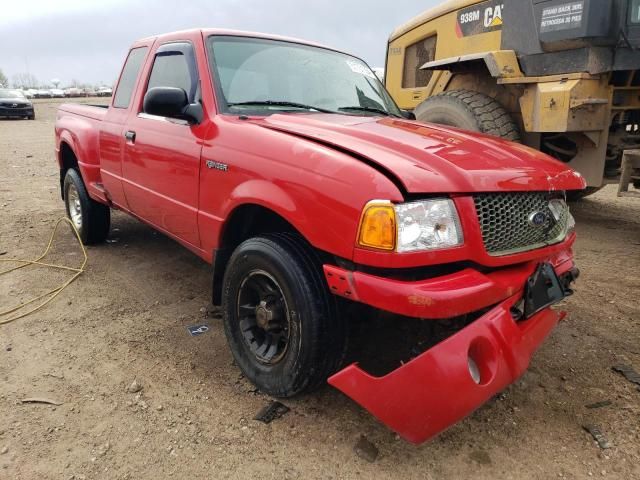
277 103
367 109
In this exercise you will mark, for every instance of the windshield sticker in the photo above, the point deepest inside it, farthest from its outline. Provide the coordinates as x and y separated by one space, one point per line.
482 18
562 17
360 68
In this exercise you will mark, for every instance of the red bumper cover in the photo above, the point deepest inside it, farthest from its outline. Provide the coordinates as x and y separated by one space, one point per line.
447 296
435 390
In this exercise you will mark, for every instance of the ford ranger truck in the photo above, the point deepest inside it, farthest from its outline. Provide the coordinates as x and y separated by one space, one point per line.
288 167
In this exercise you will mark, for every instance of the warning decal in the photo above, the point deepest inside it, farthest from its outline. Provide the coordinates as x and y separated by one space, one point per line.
562 17
481 18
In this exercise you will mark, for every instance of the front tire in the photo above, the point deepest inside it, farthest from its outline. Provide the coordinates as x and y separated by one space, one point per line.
91 219
280 320
469 110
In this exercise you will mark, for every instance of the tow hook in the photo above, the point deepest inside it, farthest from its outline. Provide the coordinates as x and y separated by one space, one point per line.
567 278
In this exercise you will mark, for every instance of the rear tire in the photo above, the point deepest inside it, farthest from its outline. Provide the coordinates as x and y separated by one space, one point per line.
303 340
91 219
469 110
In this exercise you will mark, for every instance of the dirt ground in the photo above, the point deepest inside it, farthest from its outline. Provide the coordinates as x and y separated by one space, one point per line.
126 319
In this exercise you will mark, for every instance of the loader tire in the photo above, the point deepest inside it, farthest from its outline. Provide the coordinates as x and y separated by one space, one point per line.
577 195
469 110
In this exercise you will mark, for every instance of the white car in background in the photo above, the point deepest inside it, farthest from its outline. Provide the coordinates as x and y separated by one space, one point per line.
104 92
57 93
73 92
29 93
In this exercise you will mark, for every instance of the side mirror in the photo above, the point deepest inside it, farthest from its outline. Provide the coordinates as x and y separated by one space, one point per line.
171 102
408 115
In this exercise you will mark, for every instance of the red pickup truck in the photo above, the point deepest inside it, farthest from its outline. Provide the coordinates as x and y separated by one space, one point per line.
289 168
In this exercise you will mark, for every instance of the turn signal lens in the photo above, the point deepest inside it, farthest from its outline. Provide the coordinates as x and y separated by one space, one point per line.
378 226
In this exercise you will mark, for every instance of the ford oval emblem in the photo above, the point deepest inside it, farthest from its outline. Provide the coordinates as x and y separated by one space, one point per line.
538 219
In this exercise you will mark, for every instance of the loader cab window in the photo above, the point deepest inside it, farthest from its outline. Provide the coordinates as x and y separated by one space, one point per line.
634 13
415 56
128 77
175 66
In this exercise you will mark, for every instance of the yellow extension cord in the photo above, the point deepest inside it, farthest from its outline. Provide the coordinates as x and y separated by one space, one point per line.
38 261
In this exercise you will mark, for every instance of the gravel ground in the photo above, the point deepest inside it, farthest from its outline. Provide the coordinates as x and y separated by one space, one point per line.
126 319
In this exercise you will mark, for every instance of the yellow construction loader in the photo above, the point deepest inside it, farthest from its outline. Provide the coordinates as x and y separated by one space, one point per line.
562 76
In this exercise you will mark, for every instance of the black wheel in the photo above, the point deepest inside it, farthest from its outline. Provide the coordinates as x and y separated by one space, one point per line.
32 117
280 320
471 111
91 219
577 195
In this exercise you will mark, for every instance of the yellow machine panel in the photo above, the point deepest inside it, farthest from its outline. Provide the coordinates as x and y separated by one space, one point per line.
455 28
566 106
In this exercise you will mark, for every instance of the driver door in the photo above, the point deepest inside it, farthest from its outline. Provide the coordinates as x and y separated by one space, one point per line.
161 160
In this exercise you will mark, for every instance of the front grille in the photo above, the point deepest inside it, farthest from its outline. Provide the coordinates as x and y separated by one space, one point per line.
14 105
505 221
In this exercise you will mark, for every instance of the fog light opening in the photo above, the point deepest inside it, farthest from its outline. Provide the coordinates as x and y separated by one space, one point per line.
474 371
481 361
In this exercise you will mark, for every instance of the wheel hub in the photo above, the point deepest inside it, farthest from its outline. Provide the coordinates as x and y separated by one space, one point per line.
263 316
75 209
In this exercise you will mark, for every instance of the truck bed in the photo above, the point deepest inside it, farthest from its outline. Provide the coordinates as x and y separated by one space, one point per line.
95 112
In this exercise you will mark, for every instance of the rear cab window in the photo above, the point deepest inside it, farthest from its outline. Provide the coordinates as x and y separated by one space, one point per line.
130 72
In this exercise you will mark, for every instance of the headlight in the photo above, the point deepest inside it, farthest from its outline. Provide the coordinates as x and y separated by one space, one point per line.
409 227
427 225
571 224
560 211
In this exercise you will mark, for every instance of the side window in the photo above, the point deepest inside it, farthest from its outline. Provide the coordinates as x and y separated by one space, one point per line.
415 56
128 77
175 66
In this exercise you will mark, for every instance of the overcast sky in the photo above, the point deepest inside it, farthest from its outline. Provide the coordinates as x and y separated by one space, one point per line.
88 40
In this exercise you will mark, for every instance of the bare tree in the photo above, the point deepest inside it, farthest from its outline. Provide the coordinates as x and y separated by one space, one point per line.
25 80
4 81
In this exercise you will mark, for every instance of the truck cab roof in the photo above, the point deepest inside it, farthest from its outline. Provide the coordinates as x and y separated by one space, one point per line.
206 32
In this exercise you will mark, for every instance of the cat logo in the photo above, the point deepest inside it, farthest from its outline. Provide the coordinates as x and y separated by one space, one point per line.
484 17
493 16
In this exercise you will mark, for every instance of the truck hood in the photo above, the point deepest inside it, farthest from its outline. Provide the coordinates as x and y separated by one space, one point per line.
428 158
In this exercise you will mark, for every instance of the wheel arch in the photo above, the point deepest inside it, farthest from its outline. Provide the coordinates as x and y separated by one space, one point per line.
244 221
67 159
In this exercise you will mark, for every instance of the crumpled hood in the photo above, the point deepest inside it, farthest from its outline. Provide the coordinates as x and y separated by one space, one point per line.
428 158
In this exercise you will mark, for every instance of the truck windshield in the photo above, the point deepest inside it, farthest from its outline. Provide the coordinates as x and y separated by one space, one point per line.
265 76
5 93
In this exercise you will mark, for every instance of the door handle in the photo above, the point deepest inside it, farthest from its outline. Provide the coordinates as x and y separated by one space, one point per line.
130 136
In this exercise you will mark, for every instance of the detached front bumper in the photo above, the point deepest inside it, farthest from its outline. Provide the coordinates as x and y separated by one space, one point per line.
436 389
452 379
